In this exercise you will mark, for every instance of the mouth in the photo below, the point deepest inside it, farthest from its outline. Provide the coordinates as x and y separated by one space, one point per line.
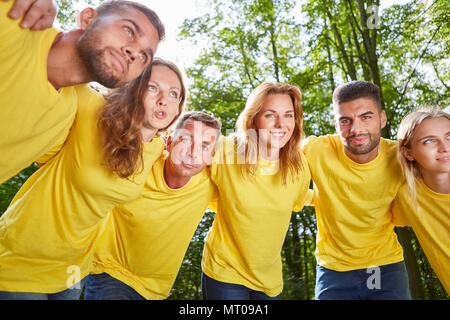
160 114
358 139
444 159
277 134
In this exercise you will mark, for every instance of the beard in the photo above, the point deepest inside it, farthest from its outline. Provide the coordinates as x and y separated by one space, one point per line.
373 142
93 60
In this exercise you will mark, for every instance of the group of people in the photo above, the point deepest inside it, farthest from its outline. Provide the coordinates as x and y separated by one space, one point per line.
115 202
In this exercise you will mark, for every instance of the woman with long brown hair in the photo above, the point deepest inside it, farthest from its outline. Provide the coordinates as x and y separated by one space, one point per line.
262 176
48 232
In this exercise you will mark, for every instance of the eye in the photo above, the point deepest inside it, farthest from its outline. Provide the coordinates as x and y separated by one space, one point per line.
289 115
366 117
152 88
344 121
173 94
129 32
143 57
205 147
269 115
185 139
428 141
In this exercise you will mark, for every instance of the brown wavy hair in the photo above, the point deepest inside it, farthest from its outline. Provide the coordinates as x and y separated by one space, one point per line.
121 120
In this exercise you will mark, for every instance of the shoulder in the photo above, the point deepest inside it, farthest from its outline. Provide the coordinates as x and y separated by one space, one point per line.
314 143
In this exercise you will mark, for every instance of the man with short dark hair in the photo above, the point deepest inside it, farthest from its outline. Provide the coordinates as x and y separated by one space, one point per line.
356 176
40 69
141 250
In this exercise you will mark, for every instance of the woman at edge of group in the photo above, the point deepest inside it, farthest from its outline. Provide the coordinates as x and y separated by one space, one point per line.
104 162
423 202
262 176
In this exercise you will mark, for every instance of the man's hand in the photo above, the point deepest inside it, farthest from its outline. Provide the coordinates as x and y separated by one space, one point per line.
37 14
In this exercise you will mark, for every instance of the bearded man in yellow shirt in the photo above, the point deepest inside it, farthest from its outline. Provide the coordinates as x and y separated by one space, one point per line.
42 71
356 177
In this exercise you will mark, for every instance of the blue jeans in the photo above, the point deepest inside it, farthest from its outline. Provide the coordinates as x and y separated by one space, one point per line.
388 282
217 290
104 287
72 293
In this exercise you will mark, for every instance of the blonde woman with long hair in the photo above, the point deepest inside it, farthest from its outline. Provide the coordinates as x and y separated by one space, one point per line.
423 202
262 176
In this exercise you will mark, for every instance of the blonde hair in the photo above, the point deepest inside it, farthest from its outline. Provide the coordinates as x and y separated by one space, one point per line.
290 158
406 131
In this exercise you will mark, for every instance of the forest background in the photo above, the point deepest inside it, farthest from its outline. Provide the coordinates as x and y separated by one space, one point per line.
316 45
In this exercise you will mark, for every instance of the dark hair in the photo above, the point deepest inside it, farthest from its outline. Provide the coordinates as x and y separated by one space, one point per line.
117 5
356 89
121 121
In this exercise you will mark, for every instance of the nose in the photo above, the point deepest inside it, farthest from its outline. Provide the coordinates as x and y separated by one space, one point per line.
131 53
444 145
195 153
356 127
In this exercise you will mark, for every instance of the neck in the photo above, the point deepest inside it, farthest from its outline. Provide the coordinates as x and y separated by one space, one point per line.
438 182
363 158
272 154
64 66
173 180
148 134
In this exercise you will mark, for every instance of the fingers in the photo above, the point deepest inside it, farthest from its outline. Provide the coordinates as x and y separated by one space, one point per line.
19 8
37 14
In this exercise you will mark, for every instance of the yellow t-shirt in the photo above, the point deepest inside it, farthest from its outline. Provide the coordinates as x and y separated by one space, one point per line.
47 234
145 240
245 242
352 203
430 220
33 115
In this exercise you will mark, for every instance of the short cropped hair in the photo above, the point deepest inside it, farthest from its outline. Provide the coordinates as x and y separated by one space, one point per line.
354 90
117 5
202 117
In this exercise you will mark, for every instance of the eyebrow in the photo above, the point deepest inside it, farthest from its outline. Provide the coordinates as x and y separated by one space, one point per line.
170 88
365 113
272 110
431 136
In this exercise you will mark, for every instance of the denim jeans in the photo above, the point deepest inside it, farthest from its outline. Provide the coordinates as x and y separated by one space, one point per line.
104 287
72 293
217 290
388 282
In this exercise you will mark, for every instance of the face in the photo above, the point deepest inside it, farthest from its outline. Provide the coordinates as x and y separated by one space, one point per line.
430 146
162 98
115 48
191 149
275 122
359 123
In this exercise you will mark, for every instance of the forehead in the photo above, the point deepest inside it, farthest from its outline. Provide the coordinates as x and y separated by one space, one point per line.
433 127
164 75
356 107
198 130
128 13
277 102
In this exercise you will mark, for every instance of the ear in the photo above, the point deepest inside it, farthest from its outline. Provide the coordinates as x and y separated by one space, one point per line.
406 153
85 18
383 118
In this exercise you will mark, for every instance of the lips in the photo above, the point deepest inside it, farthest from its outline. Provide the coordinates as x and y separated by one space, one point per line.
278 135
160 114
358 139
444 159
